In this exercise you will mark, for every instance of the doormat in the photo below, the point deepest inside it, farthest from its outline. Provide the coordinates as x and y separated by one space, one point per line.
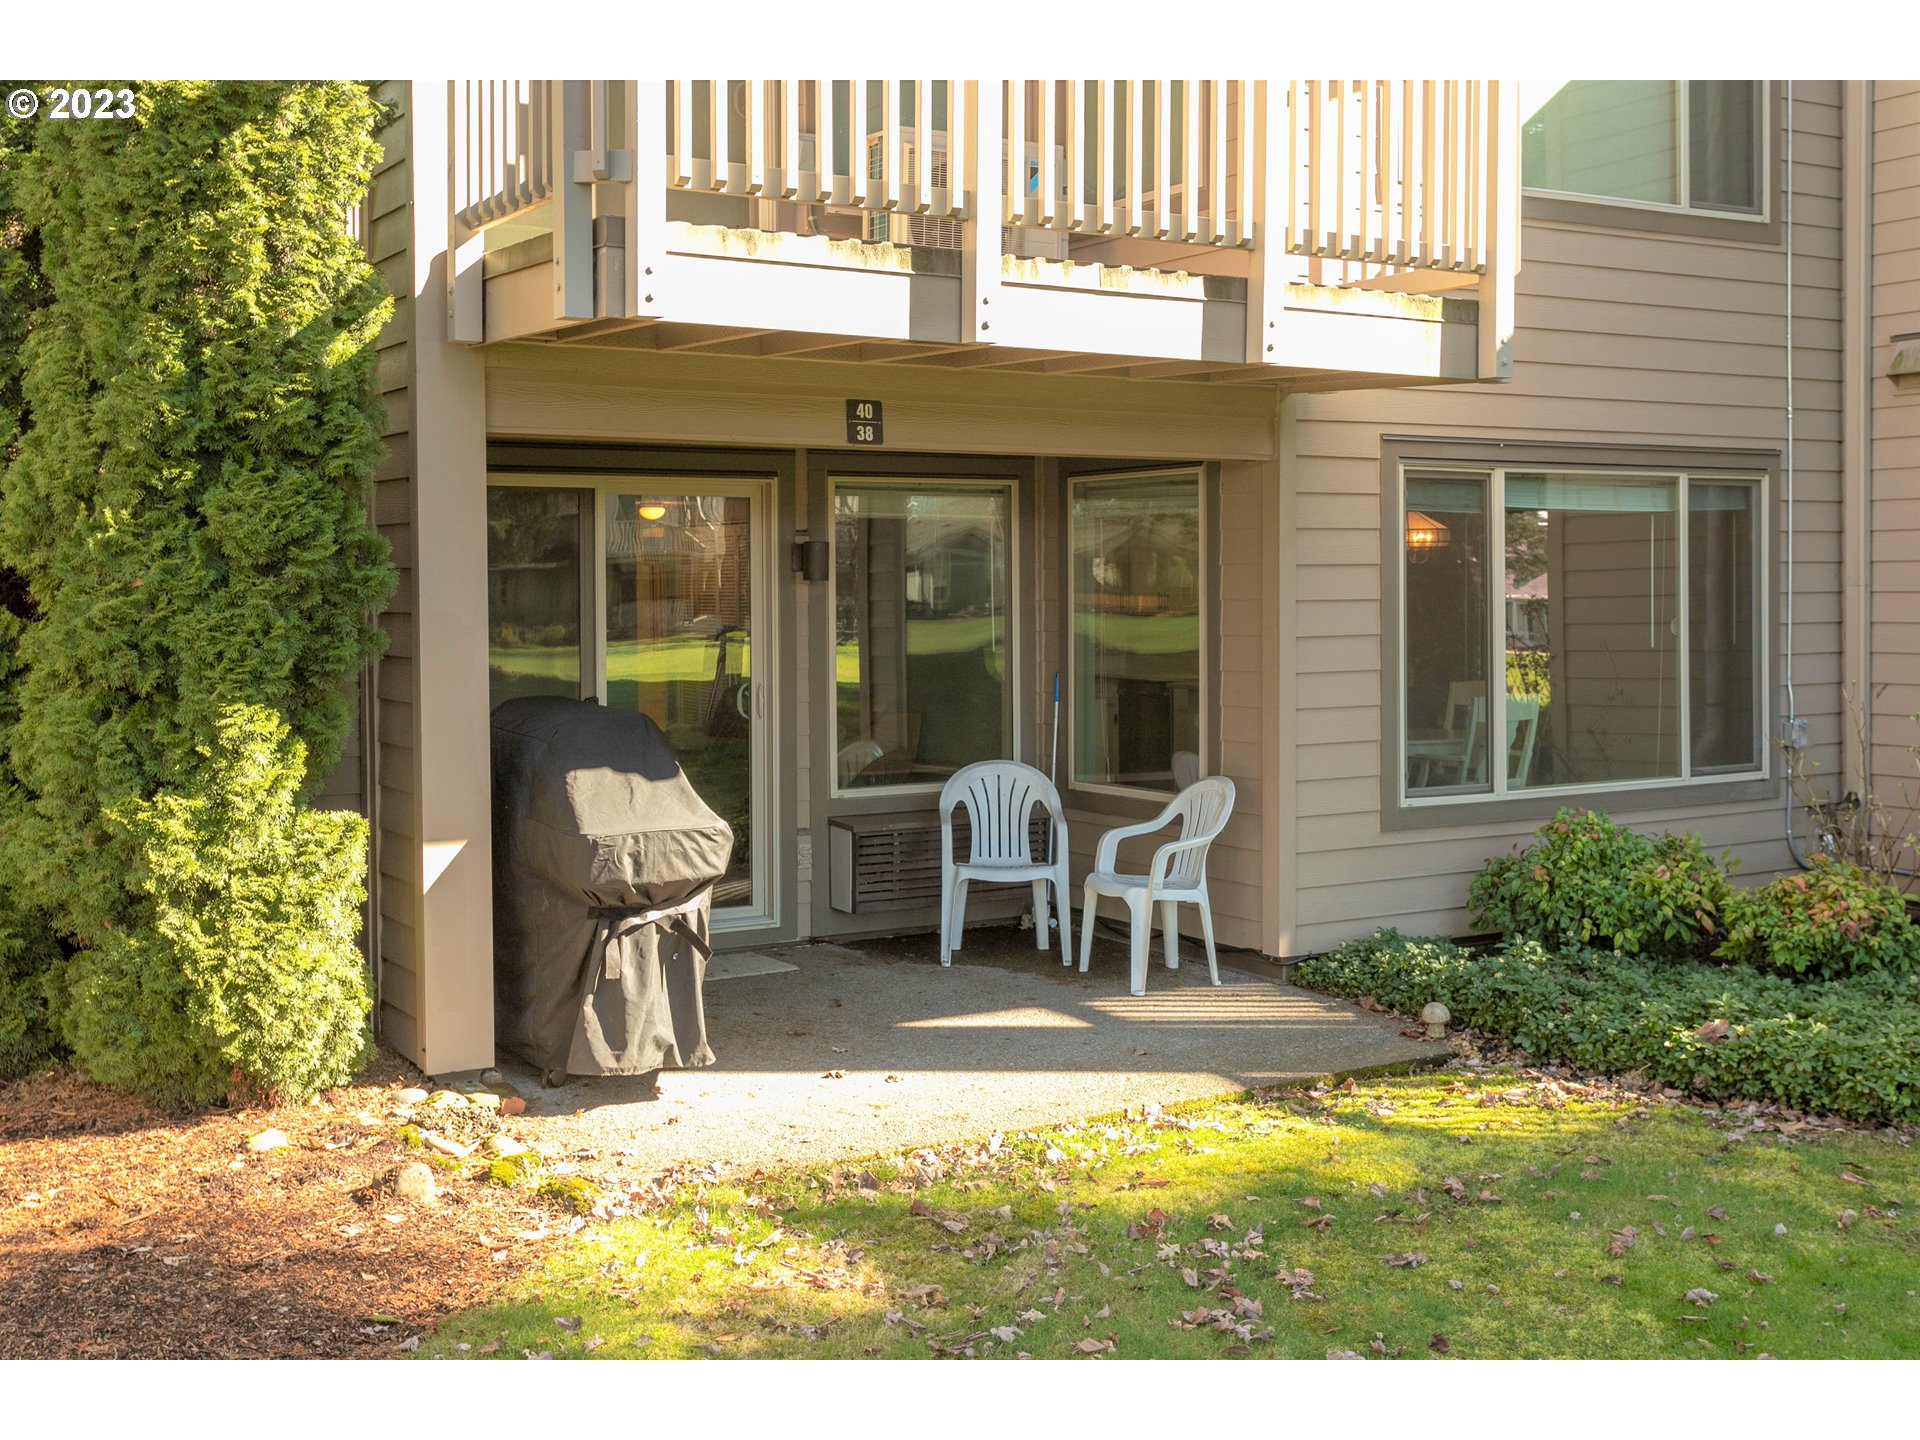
739 964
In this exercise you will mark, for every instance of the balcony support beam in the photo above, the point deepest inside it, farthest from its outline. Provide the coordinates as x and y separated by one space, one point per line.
1501 226
646 201
980 235
1269 129
572 205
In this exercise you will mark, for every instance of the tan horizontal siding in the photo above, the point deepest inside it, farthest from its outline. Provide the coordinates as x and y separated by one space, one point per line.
1625 338
396 879
1894 603
341 790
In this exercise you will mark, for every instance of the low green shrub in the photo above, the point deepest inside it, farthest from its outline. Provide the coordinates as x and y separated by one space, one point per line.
1587 881
1844 1047
243 973
1832 921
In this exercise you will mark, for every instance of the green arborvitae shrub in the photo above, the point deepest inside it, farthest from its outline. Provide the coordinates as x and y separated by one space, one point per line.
188 424
243 965
1836 920
1586 881
29 953
29 956
187 506
1845 1047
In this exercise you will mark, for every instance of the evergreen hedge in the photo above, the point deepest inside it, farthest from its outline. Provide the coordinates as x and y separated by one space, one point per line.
184 522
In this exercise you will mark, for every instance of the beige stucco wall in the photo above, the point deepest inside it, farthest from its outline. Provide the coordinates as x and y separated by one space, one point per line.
1626 337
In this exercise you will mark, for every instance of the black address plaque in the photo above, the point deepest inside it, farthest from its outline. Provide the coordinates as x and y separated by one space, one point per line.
863 422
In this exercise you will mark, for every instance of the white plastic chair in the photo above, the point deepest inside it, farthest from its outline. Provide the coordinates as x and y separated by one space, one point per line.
1177 875
999 796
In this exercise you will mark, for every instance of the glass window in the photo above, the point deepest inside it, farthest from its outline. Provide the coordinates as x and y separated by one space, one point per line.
1626 637
1136 631
536 547
1694 145
1447 637
920 596
1592 630
1723 625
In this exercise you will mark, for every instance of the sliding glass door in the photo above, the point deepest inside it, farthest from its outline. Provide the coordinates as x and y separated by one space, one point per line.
650 597
681 602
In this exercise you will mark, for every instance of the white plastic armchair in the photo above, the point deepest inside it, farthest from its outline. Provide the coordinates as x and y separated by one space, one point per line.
999 796
1176 876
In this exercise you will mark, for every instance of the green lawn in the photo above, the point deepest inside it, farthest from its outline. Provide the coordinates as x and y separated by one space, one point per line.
681 657
1412 1218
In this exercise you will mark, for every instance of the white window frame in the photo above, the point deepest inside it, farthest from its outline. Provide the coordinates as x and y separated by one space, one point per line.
1684 168
1497 791
1015 600
1205 574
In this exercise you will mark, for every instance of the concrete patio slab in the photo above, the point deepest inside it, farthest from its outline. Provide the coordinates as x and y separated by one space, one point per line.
867 1049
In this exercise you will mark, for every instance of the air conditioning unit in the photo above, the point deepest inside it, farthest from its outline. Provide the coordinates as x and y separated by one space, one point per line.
927 232
892 862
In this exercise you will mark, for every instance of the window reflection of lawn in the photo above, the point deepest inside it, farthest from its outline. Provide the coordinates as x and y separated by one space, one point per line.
956 672
719 766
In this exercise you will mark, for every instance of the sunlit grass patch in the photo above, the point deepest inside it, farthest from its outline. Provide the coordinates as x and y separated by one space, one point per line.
1418 1217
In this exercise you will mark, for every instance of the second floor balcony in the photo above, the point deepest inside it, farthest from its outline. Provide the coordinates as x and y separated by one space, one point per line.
1315 232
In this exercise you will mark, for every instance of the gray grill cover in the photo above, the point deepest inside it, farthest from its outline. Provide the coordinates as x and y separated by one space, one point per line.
596 831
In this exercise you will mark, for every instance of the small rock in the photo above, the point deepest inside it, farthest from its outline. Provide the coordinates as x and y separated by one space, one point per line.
440 1143
268 1140
1779 1229
450 1099
513 1105
412 1095
504 1145
489 1077
413 1181
482 1100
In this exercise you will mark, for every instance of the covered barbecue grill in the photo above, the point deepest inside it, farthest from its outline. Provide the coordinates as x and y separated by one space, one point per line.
604 862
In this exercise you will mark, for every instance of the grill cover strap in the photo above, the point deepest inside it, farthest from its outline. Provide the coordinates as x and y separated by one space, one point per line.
613 923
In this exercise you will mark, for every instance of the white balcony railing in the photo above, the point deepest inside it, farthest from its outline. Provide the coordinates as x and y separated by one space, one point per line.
1396 186
503 149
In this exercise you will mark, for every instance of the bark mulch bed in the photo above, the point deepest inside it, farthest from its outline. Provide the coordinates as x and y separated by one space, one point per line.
129 1232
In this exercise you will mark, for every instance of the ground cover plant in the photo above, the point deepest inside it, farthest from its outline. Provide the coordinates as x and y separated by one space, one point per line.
1849 1048
1441 1215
